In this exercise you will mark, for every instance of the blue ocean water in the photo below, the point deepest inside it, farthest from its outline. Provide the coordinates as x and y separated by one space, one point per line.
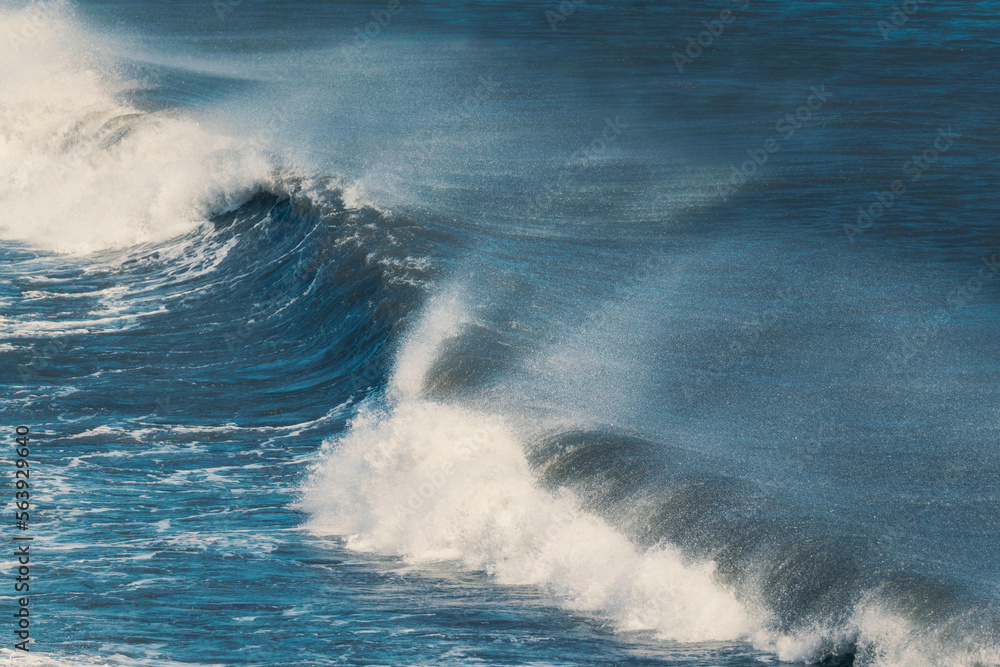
503 333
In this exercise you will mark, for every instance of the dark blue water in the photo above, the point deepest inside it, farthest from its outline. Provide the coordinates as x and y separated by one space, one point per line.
504 333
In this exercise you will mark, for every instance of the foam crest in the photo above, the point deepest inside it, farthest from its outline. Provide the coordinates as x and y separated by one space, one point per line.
82 171
430 482
112 656
880 636
444 319
888 639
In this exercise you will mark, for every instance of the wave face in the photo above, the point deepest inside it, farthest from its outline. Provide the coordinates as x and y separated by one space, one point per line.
430 481
645 536
453 340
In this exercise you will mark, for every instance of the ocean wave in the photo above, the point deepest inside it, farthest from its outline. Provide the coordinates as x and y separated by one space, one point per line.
429 481
82 169
587 515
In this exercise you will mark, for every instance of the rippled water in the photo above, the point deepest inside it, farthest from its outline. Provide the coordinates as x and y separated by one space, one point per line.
503 333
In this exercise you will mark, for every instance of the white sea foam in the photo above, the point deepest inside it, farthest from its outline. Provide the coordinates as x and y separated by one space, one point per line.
112 656
80 170
14 658
883 637
429 481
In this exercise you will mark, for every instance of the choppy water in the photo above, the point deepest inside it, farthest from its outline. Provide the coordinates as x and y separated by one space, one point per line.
503 333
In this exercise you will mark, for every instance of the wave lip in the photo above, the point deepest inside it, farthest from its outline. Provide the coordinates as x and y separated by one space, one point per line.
641 535
81 171
430 481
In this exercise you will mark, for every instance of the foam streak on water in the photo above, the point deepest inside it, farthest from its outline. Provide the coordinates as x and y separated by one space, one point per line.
548 402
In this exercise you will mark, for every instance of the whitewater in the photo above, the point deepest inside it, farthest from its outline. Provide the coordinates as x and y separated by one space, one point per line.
459 345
